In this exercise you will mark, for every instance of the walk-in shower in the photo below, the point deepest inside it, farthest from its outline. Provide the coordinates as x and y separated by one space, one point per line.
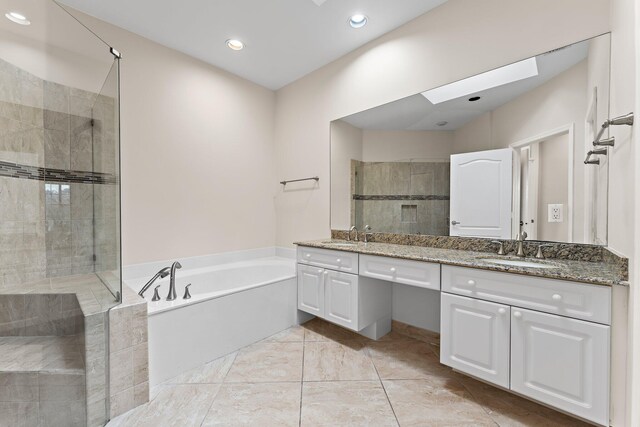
59 216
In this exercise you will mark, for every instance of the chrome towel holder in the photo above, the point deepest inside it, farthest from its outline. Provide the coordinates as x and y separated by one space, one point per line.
627 119
315 178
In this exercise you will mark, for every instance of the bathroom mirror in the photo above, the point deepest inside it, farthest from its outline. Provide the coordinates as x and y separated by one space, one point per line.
487 156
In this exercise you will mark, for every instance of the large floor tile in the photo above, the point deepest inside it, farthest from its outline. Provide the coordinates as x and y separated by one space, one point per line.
293 334
406 360
345 403
181 405
211 373
261 404
321 330
507 409
268 362
435 403
332 361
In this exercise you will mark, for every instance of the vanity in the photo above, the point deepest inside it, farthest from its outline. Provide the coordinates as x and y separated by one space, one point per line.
540 329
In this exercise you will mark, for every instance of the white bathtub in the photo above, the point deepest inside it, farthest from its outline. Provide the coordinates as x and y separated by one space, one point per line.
232 305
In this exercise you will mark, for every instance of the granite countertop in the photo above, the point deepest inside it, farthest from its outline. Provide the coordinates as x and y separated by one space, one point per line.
597 273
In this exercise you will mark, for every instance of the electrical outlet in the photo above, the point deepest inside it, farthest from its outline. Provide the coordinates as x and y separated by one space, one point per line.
555 213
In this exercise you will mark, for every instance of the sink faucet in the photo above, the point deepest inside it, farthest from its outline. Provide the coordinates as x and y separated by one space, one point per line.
160 274
353 228
520 239
172 281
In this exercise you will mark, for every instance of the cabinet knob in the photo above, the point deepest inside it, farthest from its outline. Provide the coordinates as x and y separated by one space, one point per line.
557 297
320 270
338 260
517 314
502 311
308 255
326 272
392 269
471 282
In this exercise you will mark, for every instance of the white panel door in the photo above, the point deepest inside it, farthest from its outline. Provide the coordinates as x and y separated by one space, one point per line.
341 299
311 289
561 362
481 192
474 338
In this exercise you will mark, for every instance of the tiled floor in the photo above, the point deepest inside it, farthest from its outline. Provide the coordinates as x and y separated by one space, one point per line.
321 375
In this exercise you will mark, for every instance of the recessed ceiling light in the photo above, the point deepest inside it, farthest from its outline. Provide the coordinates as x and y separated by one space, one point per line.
494 78
474 99
235 44
18 18
442 123
358 20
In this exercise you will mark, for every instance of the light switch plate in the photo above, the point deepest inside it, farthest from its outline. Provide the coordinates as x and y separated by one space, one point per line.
555 213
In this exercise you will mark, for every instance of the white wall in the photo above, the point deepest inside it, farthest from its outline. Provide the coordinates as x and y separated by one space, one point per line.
385 146
553 181
346 145
197 154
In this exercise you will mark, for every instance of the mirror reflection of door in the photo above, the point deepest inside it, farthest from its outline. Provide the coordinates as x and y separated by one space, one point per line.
481 187
543 194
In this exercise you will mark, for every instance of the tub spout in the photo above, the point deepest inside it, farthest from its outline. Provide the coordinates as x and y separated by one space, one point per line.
172 281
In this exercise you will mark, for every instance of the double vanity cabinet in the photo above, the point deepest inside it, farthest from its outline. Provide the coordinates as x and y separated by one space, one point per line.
545 339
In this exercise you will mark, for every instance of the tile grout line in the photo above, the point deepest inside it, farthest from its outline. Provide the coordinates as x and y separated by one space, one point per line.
219 388
304 344
393 411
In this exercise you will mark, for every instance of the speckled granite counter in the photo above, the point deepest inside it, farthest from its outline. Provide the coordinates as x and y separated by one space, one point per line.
598 273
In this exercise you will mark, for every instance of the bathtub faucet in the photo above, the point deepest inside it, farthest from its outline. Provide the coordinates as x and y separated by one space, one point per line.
172 281
160 274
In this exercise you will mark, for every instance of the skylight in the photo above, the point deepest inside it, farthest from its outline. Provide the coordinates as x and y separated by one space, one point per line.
494 78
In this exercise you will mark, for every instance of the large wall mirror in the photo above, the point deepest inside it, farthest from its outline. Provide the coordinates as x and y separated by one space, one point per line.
488 156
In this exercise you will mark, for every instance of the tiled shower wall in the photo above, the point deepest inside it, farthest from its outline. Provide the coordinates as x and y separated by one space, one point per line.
65 183
401 197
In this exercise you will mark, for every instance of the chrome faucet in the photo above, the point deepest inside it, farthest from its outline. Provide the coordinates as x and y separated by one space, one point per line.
172 281
500 244
353 228
160 274
520 239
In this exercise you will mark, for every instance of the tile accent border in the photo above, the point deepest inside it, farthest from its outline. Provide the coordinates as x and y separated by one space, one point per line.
13 170
400 197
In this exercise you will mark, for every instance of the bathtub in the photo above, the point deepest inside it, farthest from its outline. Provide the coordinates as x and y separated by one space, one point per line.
232 305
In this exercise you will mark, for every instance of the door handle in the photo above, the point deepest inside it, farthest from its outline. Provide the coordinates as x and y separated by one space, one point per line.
455 222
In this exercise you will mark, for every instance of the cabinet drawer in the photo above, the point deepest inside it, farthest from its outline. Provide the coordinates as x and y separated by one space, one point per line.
577 300
335 260
414 273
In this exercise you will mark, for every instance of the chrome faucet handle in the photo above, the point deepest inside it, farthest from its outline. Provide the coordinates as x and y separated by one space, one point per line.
366 234
156 294
501 247
187 294
540 254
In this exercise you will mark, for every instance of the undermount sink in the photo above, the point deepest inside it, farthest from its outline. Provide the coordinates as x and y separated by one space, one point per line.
518 263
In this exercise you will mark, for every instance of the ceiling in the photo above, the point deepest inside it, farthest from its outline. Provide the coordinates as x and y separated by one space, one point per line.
284 39
418 114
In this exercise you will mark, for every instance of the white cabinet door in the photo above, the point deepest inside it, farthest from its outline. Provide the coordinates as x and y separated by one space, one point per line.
341 299
474 338
481 186
311 289
561 362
